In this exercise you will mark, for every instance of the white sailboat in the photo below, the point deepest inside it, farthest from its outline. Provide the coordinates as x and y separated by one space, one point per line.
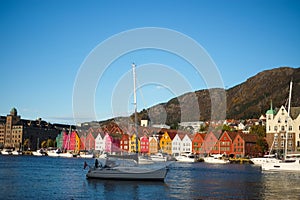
271 158
125 172
285 164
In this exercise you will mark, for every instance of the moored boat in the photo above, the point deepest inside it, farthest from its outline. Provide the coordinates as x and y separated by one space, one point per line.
115 171
16 152
38 152
267 158
6 152
287 165
158 157
186 157
216 159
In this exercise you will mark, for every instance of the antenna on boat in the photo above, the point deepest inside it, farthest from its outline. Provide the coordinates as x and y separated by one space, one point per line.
135 107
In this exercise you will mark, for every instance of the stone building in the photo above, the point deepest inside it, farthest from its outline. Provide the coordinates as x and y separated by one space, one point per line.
18 133
11 130
278 124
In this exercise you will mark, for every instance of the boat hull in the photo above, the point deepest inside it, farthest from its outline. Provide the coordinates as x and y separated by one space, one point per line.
291 166
128 173
215 161
185 159
260 161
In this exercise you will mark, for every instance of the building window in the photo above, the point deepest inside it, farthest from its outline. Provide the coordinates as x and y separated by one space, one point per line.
282 143
282 128
290 128
275 128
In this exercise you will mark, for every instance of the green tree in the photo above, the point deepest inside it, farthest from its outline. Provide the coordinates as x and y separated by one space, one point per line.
261 143
258 130
174 126
226 128
203 128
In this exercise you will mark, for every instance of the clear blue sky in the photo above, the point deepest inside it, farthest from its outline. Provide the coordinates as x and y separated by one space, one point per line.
44 43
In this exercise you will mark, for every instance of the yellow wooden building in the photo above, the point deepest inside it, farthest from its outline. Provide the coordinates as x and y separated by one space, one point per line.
133 144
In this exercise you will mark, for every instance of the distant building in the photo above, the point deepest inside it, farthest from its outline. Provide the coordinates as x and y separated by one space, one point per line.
161 126
20 133
11 130
191 126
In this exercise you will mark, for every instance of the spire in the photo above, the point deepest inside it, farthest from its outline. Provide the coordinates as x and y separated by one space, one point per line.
271 105
271 111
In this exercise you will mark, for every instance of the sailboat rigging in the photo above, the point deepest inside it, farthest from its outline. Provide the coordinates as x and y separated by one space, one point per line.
136 172
135 108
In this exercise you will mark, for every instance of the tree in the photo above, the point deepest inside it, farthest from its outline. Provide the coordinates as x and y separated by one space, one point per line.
203 128
261 143
226 128
50 143
258 130
26 143
44 144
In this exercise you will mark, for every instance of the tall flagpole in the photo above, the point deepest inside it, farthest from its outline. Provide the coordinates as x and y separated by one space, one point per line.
135 107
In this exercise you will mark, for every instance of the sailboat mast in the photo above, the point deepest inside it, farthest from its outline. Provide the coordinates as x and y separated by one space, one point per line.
287 123
135 107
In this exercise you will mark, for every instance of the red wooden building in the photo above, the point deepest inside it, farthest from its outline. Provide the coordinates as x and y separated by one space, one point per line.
144 144
197 143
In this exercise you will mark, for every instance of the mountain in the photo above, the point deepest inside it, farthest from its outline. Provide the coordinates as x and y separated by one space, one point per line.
249 99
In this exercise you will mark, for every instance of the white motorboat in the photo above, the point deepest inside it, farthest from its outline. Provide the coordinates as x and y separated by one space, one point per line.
186 157
58 153
145 160
6 152
38 152
86 155
127 172
267 158
158 157
16 153
53 153
66 155
215 159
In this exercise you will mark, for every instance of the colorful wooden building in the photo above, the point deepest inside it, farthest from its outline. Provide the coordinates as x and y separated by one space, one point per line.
197 143
144 144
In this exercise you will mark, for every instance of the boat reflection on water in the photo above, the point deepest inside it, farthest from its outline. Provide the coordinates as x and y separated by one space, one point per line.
108 189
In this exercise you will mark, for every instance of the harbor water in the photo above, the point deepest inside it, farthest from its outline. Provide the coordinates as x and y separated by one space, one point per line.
29 177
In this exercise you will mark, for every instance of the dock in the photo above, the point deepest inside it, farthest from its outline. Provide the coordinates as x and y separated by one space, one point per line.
240 160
